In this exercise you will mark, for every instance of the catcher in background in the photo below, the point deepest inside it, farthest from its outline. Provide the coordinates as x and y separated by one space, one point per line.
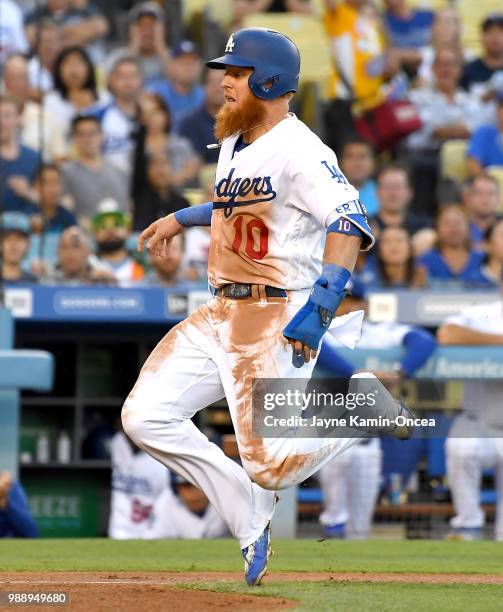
286 229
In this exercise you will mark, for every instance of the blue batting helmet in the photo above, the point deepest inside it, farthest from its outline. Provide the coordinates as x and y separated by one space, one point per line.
273 56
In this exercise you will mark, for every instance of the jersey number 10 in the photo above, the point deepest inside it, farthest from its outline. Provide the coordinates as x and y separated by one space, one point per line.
255 228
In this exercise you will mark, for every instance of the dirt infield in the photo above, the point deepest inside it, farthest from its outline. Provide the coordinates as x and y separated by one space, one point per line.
153 591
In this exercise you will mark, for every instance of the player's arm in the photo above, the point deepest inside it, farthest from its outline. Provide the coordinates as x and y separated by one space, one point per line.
453 334
158 234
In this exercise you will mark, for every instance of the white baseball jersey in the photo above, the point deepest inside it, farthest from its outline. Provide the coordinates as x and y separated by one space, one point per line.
273 201
483 398
117 134
138 481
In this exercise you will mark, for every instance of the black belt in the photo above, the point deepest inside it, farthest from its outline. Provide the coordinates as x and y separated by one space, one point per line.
239 291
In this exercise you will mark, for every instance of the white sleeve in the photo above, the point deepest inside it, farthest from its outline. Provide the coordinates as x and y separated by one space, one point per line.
466 318
318 185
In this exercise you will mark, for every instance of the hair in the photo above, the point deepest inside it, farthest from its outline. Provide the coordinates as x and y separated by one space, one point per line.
164 108
126 59
78 119
410 264
446 208
44 167
357 140
394 167
90 82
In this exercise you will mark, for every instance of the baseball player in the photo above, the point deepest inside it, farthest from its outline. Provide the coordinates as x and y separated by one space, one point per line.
286 229
475 439
351 482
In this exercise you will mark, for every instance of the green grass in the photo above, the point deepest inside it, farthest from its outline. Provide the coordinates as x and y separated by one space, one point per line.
224 555
291 555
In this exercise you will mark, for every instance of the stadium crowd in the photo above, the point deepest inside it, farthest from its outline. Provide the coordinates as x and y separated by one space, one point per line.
104 125
103 131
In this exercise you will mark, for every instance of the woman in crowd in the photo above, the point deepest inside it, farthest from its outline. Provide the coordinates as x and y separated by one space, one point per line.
453 260
75 91
155 137
492 268
395 266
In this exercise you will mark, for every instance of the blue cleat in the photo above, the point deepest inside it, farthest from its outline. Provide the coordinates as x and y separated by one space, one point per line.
256 556
336 531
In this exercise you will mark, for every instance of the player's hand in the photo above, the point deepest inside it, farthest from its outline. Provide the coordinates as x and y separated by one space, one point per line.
302 353
158 234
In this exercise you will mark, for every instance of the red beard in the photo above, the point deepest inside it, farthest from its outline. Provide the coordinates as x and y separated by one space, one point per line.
232 120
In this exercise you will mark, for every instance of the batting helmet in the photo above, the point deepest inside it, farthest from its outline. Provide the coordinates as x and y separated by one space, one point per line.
273 56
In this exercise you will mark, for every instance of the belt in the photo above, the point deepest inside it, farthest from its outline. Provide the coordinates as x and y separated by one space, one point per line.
239 291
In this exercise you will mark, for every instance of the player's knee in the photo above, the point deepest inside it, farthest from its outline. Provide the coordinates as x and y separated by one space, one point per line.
133 423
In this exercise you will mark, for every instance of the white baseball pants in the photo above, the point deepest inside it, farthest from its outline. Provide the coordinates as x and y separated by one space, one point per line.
217 351
350 485
466 459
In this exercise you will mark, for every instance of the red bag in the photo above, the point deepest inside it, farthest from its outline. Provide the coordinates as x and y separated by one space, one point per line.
385 125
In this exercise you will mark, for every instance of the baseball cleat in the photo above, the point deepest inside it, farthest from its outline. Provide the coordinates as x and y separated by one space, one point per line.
405 431
336 531
465 534
256 556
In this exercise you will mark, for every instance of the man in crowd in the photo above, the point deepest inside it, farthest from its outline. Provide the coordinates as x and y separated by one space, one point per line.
478 73
111 230
395 192
481 198
475 440
358 164
19 163
486 145
118 119
15 245
90 179
48 45
15 516
166 268
49 189
180 89
199 126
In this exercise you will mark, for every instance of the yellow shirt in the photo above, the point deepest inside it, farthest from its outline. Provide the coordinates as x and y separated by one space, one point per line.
357 46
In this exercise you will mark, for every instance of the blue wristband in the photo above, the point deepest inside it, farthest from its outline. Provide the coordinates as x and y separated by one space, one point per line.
195 215
337 276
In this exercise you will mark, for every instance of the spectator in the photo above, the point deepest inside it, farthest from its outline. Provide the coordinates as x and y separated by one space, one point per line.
156 137
492 269
19 163
395 265
41 66
181 90
358 165
446 111
147 41
481 197
110 228
166 267
474 441
76 264
351 486
486 145
49 190
158 197
243 8
81 23
12 38
119 118
477 74
16 520
75 89
39 126
409 31
89 179
446 34
199 126
453 258
395 193
15 245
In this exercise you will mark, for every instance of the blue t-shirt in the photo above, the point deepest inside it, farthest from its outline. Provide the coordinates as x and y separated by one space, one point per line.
16 519
180 105
368 197
414 32
25 165
199 128
62 219
486 146
438 269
